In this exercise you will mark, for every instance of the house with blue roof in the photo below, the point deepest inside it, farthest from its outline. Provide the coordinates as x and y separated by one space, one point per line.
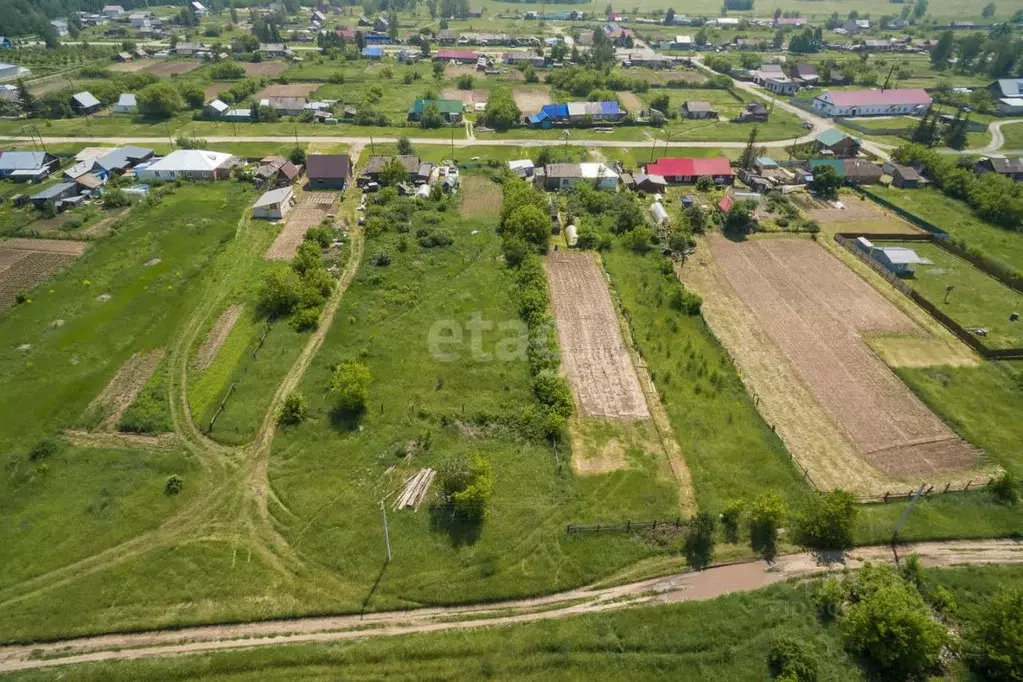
370 52
551 115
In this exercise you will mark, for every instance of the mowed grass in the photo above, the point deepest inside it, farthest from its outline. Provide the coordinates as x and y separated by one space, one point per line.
977 300
78 502
956 218
729 449
781 124
331 477
1013 134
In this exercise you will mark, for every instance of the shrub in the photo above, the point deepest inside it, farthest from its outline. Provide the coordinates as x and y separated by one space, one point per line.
826 521
173 485
279 291
45 448
553 391
765 516
294 409
467 483
685 301
381 259
705 183
115 198
793 661
994 640
307 318
829 597
699 543
405 146
1006 489
349 385
730 518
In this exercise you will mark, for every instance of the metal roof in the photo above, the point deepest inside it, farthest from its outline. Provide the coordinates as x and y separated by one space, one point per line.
184 160
10 161
85 99
55 191
830 137
274 196
127 100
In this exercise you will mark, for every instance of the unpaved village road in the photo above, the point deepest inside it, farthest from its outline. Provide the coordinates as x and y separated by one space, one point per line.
713 582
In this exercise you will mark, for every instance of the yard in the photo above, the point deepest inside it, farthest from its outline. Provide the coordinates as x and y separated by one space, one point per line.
977 299
781 124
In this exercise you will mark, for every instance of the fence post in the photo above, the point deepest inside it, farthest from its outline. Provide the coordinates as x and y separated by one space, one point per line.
947 486
654 526
886 497
967 486
628 525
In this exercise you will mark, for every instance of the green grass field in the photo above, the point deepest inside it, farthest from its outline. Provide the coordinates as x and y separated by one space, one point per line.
1013 134
956 218
978 299
726 638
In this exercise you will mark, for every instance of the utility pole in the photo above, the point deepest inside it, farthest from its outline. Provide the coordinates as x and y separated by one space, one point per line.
905 514
387 535
371 149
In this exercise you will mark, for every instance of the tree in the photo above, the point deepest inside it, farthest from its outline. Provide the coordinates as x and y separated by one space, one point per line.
294 410
297 156
392 173
349 386
765 517
29 104
279 291
888 624
193 94
467 482
438 70
699 543
988 11
740 218
751 152
173 485
501 112
661 103
159 100
994 639
701 37
826 181
955 133
669 17
529 223
920 8
792 660
826 521
405 146
431 116
638 239
942 51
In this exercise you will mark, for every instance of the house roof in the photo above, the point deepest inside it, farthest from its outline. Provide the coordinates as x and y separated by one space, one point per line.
1001 165
194 160
1010 87
830 137
85 99
88 181
127 100
457 54
579 170
286 103
123 157
218 106
271 47
907 172
445 106
862 98
804 70
671 167
372 52
644 178
837 164
79 169
900 255
273 197
10 161
55 190
333 166
555 110
861 168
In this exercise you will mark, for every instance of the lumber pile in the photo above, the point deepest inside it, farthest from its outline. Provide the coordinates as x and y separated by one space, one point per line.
414 491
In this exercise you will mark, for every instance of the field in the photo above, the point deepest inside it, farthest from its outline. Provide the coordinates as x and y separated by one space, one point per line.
24 263
856 215
817 312
978 300
531 99
310 209
264 68
781 125
594 356
171 68
465 96
481 197
122 390
217 336
290 90
1013 134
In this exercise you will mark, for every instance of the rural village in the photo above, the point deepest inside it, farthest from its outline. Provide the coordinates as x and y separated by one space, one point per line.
477 338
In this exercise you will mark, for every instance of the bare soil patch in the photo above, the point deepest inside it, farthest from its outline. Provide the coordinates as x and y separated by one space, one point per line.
218 334
122 389
481 198
531 99
130 67
164 68
289 90
264 68
214 89
594 355
461 70
24 263
817 312
856 215
630 101
309 211
465 96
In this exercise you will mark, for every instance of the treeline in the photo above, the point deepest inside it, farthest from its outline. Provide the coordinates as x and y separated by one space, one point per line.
593 84
995 198
996 54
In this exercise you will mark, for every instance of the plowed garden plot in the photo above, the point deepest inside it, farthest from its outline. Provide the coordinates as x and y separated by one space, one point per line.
24 263
531 99
122 389
856 215
290 90
310 211
163 68
129 67
218 334
465 96
264 68
593 353
481 198
630 102
817 311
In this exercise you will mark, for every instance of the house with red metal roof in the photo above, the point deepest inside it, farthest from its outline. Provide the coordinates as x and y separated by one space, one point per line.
460 56
689 170
872 102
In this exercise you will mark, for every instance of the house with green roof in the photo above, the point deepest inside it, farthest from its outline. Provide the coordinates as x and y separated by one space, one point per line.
450 109
836 142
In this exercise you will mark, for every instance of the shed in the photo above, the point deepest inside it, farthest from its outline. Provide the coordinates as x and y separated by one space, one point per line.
898 259
698 109
905 177
837 143
126 104
275 204
650 183
62 190
216 108
85 103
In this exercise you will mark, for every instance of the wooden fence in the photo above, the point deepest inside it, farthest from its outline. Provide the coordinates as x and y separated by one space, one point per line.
626 526
890 496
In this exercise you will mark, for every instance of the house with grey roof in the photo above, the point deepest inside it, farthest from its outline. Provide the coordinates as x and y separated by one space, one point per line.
25 166
698 109
85 103
126 104
56 193
275 204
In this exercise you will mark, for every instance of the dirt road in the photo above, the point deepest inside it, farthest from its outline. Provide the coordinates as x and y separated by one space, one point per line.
713 582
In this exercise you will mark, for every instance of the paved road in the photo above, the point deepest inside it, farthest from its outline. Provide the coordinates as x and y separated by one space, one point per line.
713 582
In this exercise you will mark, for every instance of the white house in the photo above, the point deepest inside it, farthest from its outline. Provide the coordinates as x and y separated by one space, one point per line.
199 9
60 26
126 104
275 204
189 164
564 175
112 11
140 19
872 102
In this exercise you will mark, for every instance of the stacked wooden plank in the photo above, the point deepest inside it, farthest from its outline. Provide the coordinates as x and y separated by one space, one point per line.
414 490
